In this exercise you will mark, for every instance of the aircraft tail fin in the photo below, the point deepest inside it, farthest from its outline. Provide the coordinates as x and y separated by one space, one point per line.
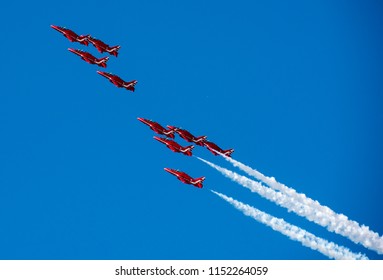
198 181
172 128
200 140
169 133
228 152
115 50
102 61
83 39
188 150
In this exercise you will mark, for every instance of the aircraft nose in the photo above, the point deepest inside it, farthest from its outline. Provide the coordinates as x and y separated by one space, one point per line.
54 26
141 119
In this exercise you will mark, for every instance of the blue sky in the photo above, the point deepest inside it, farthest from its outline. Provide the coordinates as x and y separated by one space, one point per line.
295 88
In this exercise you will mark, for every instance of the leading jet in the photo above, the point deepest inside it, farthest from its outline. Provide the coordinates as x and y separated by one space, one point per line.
157 128
183 133
90 58
117 81
212 147
175 147
72 36
102 47
185 178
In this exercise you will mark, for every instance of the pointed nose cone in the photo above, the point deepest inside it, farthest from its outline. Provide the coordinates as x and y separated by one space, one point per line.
101 73
157 138
171 127
141 120
168 170
55 27
71 50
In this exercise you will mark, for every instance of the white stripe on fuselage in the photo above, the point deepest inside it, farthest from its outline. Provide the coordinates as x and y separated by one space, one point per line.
100 61
112 49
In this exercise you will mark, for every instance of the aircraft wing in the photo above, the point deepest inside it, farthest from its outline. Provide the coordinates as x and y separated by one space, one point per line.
99 48
171 147
69 37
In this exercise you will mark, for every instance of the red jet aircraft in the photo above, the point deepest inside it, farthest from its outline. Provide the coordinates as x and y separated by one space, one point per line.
175 147
214 149
73 37
102 47
90 58
157 128
185 178
118 82
188 136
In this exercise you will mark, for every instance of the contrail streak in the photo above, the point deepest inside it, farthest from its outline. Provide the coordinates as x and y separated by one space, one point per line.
310 209
307 239
351 229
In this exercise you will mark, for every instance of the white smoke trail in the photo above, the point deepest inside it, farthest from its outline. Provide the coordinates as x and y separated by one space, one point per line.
307 239
311 210
350 229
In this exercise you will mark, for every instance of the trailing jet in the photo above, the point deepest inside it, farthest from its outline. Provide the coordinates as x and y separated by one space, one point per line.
118 82
188 136
214 149
71 36
175 147
90 58
185 178
157 128
102 47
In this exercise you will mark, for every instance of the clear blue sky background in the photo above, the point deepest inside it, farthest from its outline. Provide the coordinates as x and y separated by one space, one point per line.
295 88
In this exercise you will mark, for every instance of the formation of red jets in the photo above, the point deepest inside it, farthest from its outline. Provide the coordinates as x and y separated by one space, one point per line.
175 147
168 132
101 47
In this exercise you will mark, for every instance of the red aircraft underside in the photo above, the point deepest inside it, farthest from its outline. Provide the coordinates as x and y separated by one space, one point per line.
183 133
214 149
102 47
174 146
72 36
157 128
90 58
117 81
185 178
